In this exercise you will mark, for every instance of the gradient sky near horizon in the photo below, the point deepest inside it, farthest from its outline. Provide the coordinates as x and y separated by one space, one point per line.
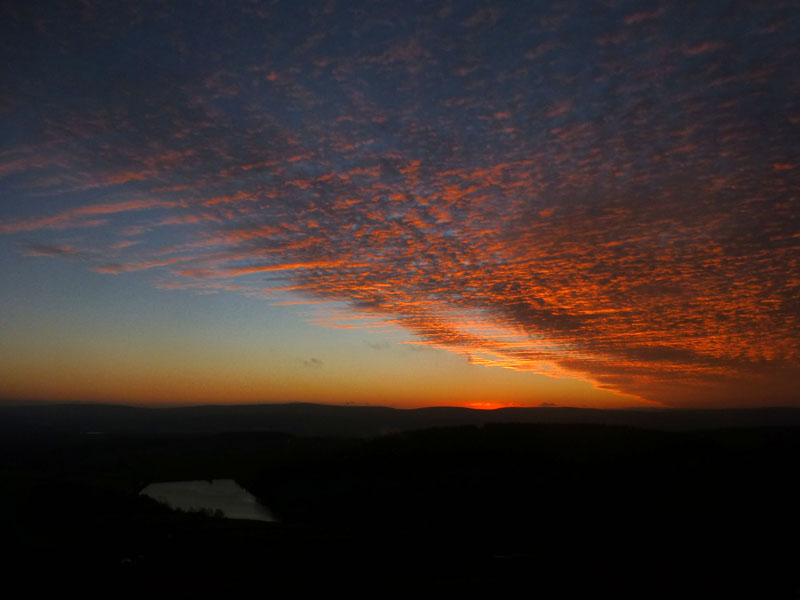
405 203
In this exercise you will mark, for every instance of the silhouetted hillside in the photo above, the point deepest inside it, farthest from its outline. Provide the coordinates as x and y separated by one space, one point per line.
358 421
571 473
565 510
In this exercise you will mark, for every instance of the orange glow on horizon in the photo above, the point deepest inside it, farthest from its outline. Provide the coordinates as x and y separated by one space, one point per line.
490 405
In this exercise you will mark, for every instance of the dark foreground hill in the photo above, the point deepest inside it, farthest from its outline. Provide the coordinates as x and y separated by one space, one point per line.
558 510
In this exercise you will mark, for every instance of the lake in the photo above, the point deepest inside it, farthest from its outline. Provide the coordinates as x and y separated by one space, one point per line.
216 494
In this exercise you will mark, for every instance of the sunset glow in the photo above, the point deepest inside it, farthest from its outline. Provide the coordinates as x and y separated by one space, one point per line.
401 203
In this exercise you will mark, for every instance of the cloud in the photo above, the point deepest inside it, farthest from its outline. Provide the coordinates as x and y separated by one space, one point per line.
378 345
80 216
34 249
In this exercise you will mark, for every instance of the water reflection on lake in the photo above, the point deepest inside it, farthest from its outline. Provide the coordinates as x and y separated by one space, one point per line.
217 494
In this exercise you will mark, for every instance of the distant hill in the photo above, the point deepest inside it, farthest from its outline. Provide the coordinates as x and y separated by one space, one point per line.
355 421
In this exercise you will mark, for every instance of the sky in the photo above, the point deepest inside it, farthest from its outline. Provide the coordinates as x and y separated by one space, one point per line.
401 203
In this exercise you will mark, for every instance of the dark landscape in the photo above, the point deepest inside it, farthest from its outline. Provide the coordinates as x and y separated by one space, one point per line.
571 503
400 299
